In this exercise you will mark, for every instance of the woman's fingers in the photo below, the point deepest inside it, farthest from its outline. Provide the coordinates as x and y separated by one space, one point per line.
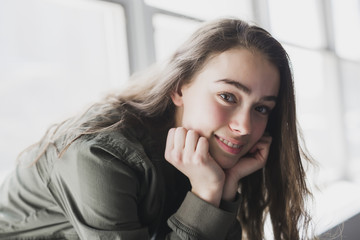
169 143
180 144
253 161
179 139
202 146
189 153
260 151
191 141
256 159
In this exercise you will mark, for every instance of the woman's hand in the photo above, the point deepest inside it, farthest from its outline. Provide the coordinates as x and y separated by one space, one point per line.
189 153
251 162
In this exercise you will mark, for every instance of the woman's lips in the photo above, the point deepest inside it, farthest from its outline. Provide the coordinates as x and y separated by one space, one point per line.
228 146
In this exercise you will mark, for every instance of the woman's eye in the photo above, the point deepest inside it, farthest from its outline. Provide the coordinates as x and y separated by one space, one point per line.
263 110
228 97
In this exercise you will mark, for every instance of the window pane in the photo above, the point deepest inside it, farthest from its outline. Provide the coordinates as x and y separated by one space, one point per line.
207 9
169 33
317 109
351 79
56 58
296 22
347 28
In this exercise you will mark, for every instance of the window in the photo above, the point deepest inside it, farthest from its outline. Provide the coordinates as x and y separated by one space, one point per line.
318 77
346 28
297 22
318 109
169 33
56 58
347 38
182 17
350 74
206 9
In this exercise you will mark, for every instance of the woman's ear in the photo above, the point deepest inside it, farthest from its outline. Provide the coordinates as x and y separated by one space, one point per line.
177 99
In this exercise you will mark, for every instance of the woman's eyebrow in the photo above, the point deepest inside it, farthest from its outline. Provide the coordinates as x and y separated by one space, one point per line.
235 84
245 89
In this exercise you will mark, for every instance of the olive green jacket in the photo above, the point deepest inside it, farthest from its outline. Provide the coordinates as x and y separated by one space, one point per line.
107 186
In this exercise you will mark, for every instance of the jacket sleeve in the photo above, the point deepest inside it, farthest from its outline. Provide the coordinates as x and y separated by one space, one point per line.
197 219
98 193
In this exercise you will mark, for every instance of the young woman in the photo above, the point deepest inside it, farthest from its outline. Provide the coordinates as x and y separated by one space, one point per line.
201 148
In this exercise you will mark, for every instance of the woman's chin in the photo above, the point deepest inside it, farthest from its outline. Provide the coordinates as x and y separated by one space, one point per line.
226 162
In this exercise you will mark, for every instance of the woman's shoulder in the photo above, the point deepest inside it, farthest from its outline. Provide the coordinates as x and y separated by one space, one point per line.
124 145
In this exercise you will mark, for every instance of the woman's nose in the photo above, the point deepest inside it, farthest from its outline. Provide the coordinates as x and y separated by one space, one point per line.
241 123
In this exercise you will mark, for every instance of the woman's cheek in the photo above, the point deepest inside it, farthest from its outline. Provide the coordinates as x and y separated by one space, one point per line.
213 117
221 116
259 129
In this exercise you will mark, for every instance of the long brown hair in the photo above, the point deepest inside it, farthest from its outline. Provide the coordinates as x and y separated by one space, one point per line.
280 188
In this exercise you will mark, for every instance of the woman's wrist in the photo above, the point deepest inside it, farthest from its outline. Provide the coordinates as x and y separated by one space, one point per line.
230 191
212 196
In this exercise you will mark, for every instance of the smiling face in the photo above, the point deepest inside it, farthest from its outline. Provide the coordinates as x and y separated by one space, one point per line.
229 102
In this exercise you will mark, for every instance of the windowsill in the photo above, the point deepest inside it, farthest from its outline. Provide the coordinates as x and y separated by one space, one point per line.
334 204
